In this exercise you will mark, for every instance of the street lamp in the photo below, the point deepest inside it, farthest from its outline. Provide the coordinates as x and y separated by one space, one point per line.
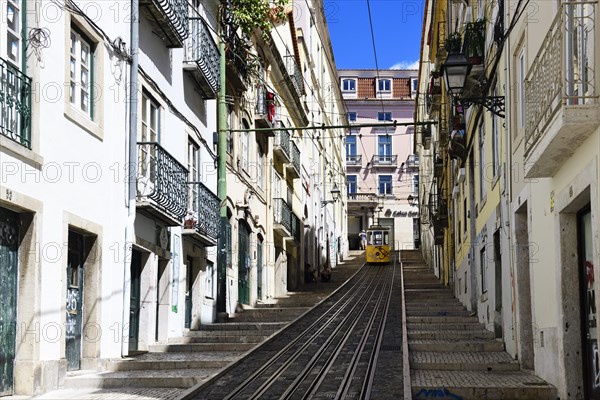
413 201
335 194
455 70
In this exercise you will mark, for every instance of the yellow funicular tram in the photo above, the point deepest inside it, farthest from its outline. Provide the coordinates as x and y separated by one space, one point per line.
378 244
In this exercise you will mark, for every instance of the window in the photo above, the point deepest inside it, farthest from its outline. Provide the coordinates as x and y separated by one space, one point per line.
194 173
465 215
260 168
10 42
483 265
80 72
415 184
350 146
414 86
349 85
245 150
149 132
352 116
384 85
521 88
384 145
384 116
481 162
385 184
352 184
495 143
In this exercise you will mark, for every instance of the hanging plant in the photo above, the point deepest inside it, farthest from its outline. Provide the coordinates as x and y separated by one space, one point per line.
249 15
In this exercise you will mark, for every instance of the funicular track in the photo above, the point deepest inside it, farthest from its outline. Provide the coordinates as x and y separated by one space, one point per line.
329 353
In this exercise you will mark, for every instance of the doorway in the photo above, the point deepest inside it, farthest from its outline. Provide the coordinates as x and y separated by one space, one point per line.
74 305
589 332
9 267
243 263
259 267
134 300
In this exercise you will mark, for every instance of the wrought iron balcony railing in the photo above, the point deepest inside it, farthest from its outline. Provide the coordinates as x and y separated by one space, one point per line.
353 159
202 57
161 180
15 104
282 142
295 158
282 214
562 73
295 226
206 207
169 19
412 162
385 159
295 74
236 51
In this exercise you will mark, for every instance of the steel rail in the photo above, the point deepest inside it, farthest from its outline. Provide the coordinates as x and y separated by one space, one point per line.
341 303
357 306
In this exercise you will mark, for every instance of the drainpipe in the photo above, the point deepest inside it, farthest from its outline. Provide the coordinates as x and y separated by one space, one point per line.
222 173
132 173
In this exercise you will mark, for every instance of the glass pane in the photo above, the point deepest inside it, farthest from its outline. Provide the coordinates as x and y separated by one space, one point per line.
12 17
12 47
72 68
153 117
73 42
84 77
72 93
85 53
84 101
144 109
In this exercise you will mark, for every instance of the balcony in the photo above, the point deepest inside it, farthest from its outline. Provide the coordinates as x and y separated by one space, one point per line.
15 104
438 208
362 201
293 168
204 208
168 19
353 160
162 190
384 160
236 54
281 145
434 94
266 109
441 52
282 215
201 58
295 74
412 163
561 103
295 236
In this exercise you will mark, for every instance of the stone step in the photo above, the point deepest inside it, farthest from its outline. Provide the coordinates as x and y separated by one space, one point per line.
269 314
434 307
447 334
463 361
517 385
254 338
437 313
194 347
148 365
245 326
220 334
175 378
462 326
440 320
455 345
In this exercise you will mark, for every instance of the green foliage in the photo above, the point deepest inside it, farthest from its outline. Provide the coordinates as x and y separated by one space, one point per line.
257 14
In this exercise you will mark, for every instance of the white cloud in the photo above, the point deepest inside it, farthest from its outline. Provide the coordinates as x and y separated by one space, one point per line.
406 65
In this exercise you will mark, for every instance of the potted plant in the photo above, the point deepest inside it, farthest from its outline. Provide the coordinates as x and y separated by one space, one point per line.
475 41
453 43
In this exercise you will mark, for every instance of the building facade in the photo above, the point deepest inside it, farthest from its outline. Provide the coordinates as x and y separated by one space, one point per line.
515 156
109 217
381 169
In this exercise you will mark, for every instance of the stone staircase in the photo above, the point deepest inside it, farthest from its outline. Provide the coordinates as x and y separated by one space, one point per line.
452 355
167 369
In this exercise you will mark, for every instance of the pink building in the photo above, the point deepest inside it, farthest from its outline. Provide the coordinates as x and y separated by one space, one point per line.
381 170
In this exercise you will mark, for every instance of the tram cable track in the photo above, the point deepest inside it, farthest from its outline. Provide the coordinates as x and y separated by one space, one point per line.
329 352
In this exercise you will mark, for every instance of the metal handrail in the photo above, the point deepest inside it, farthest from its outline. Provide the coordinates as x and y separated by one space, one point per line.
282 213
207 208
202 50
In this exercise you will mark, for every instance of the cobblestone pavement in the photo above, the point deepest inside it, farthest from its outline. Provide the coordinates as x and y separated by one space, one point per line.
151 378
452 355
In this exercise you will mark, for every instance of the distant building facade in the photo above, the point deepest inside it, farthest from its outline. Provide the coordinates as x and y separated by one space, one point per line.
381 170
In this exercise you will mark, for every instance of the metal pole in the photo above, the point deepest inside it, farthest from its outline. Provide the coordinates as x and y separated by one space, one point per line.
132 174
222 170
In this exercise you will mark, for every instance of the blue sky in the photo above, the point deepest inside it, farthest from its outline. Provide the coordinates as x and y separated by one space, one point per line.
397 28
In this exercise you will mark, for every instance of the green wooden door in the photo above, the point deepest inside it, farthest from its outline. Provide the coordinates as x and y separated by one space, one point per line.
9 244
243 264
74 301
259 268
134 300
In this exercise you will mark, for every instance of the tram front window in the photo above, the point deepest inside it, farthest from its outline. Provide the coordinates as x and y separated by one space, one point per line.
377 239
